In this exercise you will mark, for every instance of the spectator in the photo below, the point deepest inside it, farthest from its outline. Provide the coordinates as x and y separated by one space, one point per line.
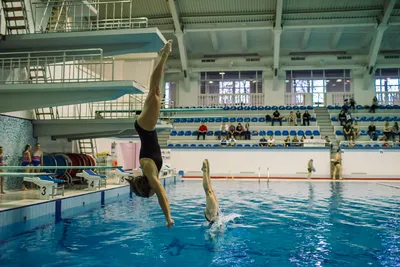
387 131
372 132
97 115
271 141
263 141
287 141
202 131
395 131
345 106
223 141
310 168
302 140
384 139
26 161
356 130
247 132
268 118
231 130
342 118
386 144
276 116
351 142
295 141
347 131
239 132
223 130
349 119
232 141
374 105
328 142
298 118
352 104
2 164
292 119
306 118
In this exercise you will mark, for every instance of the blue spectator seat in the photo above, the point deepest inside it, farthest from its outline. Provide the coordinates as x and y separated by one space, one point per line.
389 107
188 133
338 107
218 120
379 118
300 133
330 107
274 107
279 145
363 118
334 119
308 133
239 120
210 133
239 145
194 133
313 119
316 132
226 108
183 120
379 132
293 133
310 108
262 132
363 132
343 145
260 108
359 145
170 145
173 133
377 145
232 108
254 119
254 133
282 108
255 145
396 107
204 120
339 132
371 119
197 120
359 107
216 145
247 119
368 146
267 107
288 108
296 108
381 107
270 133
246 108
216 133
253 108
211 120
190 120
261 119
285 133
200 145
303 108
246 145
178 145
225 120
240 108
208 145
176 120
181 133
232 120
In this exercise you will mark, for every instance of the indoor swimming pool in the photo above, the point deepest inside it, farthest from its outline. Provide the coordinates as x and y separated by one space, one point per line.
280 223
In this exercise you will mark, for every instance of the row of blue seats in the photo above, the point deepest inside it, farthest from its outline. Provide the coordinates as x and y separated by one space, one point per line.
366 146
258 107
211 120
362 132
379 118
215 145
359 107
254 133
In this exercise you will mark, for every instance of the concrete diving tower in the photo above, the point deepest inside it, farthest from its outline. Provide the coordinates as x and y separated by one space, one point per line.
88 128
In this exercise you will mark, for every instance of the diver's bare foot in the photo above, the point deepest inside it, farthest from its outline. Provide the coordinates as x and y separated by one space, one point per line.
3 193
205 166
167 48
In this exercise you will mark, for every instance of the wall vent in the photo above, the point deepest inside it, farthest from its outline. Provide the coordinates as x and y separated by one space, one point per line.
252 59
207 60
344 58
298 58
392 57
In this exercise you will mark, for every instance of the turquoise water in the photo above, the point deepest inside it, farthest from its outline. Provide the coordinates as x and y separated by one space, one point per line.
275 224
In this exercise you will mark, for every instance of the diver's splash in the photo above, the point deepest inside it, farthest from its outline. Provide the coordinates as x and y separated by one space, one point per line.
219 226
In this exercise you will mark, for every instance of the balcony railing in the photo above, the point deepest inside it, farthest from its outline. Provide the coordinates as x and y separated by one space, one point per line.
84 65
214 100
67 16
295 99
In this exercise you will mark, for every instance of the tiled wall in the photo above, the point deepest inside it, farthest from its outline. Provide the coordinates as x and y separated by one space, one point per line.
15 133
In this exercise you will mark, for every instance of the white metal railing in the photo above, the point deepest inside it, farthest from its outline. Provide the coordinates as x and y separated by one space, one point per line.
338 98
84 65
295 99
388 98
213 100
363 143
65 16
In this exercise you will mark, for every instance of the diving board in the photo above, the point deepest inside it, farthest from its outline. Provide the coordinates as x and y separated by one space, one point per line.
174 110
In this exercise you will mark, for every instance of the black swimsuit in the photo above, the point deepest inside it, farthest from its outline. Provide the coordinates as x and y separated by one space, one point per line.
149 146
211 222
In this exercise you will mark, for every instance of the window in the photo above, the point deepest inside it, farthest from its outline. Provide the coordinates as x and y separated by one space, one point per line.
387 85
167 95
233 87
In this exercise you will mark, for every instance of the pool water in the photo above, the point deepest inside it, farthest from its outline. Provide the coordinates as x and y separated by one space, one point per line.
269 224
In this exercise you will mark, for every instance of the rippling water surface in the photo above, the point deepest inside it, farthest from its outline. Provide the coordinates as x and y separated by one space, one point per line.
276 224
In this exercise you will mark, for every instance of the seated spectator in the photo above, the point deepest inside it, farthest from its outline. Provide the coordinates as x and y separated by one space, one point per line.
263 141
306 118
302 140
295 141
271 141
342 118
292 119
395 131
351 142
386 143
202 131
372 132
223 130
352 104
97 115
347 131
287 141
383 138
268 118
298 118
231 130
387 131
374 105
247 132
356 130
349 119
328 142
276 116
223 141
239 132
232 141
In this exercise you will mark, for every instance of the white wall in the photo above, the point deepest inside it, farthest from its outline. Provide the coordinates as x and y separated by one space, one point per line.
282 163
55 146
127 161
25 114
188 98
361 163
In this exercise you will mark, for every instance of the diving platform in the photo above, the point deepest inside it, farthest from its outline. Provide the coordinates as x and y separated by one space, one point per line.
112 42
88 128
15 97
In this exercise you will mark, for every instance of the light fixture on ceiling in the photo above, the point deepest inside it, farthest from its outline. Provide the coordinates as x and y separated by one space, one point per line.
222 73
287 81
347 81
339 80
327 81
254 81
210 82
334 84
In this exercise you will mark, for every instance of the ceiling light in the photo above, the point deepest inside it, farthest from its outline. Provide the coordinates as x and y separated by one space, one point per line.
222 73
334 84
254 81
327 81
339 80
287 81
347 81
210 82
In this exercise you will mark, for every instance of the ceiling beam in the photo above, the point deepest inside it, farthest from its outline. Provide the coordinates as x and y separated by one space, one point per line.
336 37
306 38
366 40
181 42
277 35
244 41
214 40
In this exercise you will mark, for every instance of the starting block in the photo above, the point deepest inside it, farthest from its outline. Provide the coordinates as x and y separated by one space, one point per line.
94 180
122 174
167 171
47 186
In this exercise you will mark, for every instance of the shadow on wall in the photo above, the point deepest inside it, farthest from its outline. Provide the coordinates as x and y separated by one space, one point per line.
15 133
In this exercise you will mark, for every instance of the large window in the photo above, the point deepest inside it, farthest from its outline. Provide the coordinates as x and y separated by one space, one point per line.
387 85
233 87
169 94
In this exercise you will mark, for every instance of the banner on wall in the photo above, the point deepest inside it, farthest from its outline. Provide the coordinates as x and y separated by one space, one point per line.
314 142
166 155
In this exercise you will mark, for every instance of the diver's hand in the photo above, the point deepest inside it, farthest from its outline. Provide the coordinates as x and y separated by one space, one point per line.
170 223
